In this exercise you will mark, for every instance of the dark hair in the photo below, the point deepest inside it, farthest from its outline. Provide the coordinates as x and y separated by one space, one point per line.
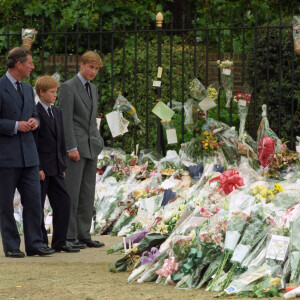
16 54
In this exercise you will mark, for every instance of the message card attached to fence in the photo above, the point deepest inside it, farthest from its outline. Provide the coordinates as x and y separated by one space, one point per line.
163 111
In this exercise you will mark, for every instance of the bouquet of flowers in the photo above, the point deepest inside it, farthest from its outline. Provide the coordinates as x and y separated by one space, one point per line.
243 103
227 78
263 194
281 162
197 90
235 227
296 33
256 230
123 105
28 37
295 252
209 101
204 144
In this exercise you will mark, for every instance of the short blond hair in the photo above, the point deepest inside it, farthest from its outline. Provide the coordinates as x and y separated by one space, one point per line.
45 83
91 57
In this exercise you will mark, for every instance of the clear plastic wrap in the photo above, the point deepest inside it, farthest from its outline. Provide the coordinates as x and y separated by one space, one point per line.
227 78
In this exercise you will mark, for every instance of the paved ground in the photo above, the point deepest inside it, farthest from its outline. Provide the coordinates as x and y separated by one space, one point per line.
79 276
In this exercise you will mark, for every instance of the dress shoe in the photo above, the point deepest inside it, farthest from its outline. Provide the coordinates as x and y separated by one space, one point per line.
92 244
67 248
76 244
40 251
14 253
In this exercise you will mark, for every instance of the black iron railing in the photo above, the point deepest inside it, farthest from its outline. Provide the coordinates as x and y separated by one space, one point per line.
129 68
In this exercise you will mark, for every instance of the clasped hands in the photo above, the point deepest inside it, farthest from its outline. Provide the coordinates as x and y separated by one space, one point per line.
31 124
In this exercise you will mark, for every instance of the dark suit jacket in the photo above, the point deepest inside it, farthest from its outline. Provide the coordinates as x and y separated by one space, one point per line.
50 142
16 150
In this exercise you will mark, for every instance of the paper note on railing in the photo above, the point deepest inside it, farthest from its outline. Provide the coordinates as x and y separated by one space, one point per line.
207 103
163 111
116 123
159 72
157 83
171 136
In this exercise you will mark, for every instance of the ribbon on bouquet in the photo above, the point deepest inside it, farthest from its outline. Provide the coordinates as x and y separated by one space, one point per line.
228 180
149 256
188 265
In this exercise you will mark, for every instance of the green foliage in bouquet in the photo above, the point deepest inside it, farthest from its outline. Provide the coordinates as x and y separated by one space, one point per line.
204 144
266 59
260 292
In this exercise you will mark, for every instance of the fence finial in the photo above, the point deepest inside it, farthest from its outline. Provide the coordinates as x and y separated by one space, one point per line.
159 19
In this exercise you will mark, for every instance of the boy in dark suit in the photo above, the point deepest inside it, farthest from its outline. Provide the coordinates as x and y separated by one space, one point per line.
50 141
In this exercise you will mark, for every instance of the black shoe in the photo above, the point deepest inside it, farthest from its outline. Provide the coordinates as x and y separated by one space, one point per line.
76 244
40 251
14 253
67 248
92 244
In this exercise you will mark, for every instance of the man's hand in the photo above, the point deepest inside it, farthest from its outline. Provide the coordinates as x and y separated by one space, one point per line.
42 175
23 126
33 123
64 174
74 155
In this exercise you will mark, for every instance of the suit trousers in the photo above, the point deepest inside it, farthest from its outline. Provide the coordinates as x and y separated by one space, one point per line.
26 180
55 188
80 182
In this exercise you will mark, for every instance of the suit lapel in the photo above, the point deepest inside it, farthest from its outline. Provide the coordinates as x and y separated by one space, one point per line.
82 93
14 94
56 123
45 117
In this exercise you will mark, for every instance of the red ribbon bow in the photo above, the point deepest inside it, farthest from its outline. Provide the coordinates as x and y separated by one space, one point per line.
228 180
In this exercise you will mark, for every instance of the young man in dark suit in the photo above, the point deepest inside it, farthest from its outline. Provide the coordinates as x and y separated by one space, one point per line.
50 141
19 163
78 101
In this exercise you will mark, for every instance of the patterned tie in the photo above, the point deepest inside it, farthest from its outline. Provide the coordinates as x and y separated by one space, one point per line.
20 90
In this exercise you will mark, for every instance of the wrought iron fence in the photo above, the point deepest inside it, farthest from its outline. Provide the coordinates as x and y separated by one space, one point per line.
131 57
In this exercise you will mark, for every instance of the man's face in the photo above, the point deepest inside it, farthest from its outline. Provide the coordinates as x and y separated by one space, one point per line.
89 71
26 67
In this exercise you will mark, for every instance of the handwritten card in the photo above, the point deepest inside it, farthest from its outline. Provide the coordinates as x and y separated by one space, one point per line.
159 72
116 123
226 71
278 247
157 83
207 103
163 111
171 136
242 103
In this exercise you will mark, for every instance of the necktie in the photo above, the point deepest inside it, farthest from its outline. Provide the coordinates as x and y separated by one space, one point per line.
20 90
51 115
88 90
50 112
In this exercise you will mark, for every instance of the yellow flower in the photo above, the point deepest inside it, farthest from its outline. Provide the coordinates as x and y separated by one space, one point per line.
278 188
270 195
276 281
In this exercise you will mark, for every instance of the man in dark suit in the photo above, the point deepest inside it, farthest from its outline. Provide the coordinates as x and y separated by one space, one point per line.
78 101
18 158
50 140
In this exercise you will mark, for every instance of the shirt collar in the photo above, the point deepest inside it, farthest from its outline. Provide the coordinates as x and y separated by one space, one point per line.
82 79
44 105
10 78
